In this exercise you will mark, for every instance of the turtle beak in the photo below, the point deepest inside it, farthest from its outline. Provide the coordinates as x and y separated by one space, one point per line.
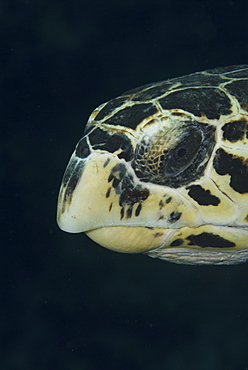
89 196
90 201
67 210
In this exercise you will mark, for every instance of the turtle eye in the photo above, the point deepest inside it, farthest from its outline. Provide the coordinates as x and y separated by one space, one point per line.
183 154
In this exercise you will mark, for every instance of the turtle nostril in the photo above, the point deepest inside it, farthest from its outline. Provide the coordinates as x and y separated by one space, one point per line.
82 149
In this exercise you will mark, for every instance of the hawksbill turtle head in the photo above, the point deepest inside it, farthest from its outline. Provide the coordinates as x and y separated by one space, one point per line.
156 171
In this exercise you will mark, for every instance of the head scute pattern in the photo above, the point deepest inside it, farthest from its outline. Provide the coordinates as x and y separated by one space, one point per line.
163 169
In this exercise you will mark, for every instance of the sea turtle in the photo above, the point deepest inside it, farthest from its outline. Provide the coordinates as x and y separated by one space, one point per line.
163 169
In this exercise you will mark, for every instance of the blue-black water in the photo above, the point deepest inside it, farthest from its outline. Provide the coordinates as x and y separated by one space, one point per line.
67 303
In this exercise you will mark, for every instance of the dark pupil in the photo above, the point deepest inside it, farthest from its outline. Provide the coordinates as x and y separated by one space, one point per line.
183 154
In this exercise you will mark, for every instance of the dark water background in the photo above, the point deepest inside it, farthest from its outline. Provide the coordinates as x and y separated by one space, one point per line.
67 303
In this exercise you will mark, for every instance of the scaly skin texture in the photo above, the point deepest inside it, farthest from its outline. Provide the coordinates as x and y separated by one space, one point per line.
163 169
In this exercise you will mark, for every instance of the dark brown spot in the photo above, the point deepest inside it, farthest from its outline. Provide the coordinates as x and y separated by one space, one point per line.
138 209
129 212
132 196
235 131
122 212
110 207
104 140
156 235
108 192
115 182
176 243
236 167
161 204
106 162
202 196
205 240
174 216
117 172
129 193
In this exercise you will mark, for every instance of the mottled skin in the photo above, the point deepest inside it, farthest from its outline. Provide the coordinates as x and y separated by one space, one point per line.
163 169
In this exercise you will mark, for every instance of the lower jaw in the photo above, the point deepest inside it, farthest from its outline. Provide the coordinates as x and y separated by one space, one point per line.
130 239
174 245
